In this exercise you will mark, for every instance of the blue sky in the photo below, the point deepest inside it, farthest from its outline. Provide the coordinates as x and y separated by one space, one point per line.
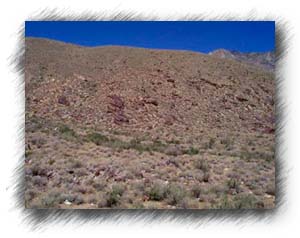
202 36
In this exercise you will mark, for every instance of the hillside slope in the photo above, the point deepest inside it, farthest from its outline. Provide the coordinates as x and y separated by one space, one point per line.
124 115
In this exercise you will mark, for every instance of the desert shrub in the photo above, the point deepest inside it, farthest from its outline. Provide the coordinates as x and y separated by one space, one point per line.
99 186
80 189
138 205
118 189
172 150
76 164
245 202
175 162
175 194
37 170
81 172
238 202
211 143
114 196
117 144
113 199
66 132
102 201
173 141
233 184
39 181
51 161
196 191
33 124
92 199
158 146
201 164
30 194
228 143
97 138
191 151
224 203
218 189
157 192
52 199
248 155
137 145
78 199
39 141
206 176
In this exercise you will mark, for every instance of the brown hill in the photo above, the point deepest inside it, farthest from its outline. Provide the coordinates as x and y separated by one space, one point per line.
179 102
160 90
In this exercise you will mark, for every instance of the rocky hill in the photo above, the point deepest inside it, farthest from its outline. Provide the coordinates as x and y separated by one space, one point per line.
130 127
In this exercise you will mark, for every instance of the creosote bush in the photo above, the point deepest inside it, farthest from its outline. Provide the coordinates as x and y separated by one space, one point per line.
233 184
238 202
97 138
66 132
191 151
157 192
114 196
196 191
175 194
201 164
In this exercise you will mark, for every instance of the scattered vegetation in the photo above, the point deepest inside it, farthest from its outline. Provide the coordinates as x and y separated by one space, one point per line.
191 151
228 143
196 191
233 184
157 192
248 155
175 194
138 145
97 138
114 196
211 143
238 202
202 165
67 133
52 199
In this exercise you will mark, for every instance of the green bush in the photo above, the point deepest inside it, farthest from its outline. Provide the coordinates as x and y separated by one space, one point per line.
196 191
233 184
175 194
66 132
157 192
238 202
202 165
114 196
97 138
191 151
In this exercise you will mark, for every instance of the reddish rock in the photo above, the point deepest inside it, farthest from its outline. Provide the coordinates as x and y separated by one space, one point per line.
241 99
151 101
170 80
120 118
117 102
63 100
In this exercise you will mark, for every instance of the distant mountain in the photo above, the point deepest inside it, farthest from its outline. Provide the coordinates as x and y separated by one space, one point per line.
264 60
